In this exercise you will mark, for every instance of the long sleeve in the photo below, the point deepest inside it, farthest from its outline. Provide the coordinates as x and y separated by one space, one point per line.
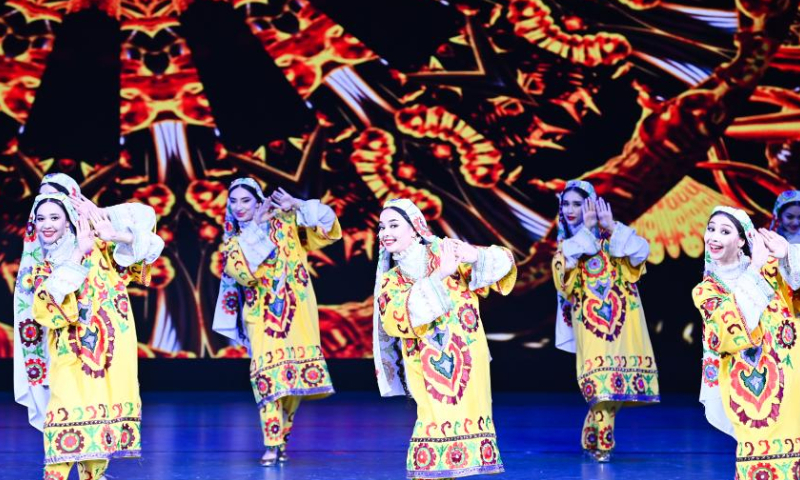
790 267
426 298
255 244
752 294
725 329
495 267
140 221
236 265
65 279
427 301
625 243
319 220
582 243
54 302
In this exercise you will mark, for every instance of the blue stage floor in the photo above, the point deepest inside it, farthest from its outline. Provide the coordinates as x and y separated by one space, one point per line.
359 436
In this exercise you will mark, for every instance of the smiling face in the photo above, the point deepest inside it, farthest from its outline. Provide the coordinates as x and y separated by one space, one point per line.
394 232
790 219
722 240
243 204
50 222
571 204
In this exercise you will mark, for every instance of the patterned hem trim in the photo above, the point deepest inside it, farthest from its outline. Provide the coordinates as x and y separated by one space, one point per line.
624 398
93 456
109 421
297 392
482 470
272 366
453 438
762 458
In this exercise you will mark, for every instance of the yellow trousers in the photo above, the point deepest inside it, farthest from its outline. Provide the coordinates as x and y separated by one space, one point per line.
598 428
87 470
277 419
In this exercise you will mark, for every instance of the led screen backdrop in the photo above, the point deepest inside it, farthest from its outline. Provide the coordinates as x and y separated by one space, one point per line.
476 110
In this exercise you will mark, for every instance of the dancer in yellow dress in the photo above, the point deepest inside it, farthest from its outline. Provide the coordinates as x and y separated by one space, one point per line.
600 317
750 386
31 359
429 340
267 303
80 296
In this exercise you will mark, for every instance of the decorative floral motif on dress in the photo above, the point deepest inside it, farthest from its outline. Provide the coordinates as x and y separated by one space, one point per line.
446 362
93 344
280 307
461 454
757 385
468 316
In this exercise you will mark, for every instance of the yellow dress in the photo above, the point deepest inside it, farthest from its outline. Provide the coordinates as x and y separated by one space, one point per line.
280 312
447 372
614 357
756 376
94 410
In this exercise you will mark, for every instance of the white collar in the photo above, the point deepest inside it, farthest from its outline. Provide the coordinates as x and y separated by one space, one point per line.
61 250
412 260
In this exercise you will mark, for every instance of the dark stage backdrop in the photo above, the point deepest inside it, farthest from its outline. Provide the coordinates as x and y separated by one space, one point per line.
476 110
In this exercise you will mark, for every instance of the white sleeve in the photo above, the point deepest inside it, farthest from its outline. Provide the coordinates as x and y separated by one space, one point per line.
624 243
313 213
255 243
139 220
65 279
752 294
427 301
790 267
582 243
493 264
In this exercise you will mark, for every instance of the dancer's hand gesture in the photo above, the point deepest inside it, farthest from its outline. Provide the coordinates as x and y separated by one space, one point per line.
85 238
448 263
105 230
464 251
604 215
83 205
265 211
760 253
284 200
589 213
777 246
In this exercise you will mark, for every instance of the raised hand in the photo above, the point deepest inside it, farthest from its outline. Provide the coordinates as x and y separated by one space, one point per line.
448 262
83 205
777 246
760 253
103 227
284 200
464 251
265 211
604 215
589 213
84 236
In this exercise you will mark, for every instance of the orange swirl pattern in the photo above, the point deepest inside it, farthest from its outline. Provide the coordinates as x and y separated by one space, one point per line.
480 161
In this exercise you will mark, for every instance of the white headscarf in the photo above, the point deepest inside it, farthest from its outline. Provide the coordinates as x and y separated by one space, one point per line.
386 349
710 396
228 311
31 358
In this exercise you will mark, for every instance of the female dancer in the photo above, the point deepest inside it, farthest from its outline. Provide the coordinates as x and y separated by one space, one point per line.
600 316
750 384
266 301
786 216
31 359
80 296
429 340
